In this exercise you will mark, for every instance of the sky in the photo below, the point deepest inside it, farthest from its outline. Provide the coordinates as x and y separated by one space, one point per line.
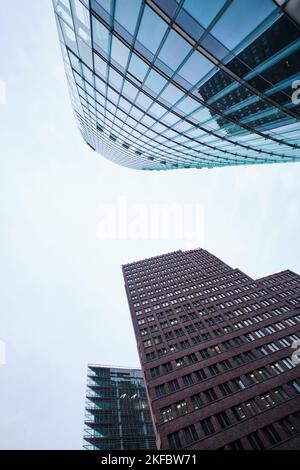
62 298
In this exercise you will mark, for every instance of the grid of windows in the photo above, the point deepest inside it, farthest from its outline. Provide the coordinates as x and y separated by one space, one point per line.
117 411
179 84
232 363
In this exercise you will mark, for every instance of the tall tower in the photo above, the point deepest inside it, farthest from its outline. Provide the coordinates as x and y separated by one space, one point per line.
219 350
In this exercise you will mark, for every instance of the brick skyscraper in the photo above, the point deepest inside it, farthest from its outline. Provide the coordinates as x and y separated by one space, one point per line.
215 347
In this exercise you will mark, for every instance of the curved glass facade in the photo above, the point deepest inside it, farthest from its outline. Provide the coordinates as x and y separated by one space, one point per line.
165 84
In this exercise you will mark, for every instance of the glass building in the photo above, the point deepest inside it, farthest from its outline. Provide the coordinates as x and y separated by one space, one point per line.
165 84
117 412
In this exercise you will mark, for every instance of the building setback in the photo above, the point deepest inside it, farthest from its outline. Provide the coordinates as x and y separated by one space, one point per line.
173 84
215 348
117 411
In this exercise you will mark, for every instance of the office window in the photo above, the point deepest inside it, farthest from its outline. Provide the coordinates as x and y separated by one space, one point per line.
181 408
192 358
276 368
168 367
280 394
155 372
249 355
238 360
188 380
267 400
173 385
287 426
207 426
150 356
252 407
226 365
271 434
200 374
160 391
235 445
204 353
239 413
166 414
251 377
223 419
294 386
225 389
287 361
213 369
191 434
196 401
238 383
174 441
255 441
210 395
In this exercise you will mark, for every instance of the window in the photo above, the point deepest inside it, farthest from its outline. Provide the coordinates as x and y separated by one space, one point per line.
155 372
295 386
174 441
191 434
235 445
204 353
162 352
250 355
147 343
280 394
150 356
271 434
180 362
210 395
267 400
192 358
223 419
167 367
225 389
277 368
160 391
207 426
287 426
252 407
188 380
239 413
213 369
200 374
173 385
181 408
166 414
238 383
239 361
196 401
287 361
226 365
255 441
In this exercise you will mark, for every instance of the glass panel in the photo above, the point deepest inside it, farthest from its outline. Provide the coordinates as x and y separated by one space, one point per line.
240 19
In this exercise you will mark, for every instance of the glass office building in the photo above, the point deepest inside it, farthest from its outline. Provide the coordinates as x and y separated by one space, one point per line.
117 412
165 84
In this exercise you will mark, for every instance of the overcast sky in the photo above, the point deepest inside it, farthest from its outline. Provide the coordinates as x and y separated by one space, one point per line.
62 299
